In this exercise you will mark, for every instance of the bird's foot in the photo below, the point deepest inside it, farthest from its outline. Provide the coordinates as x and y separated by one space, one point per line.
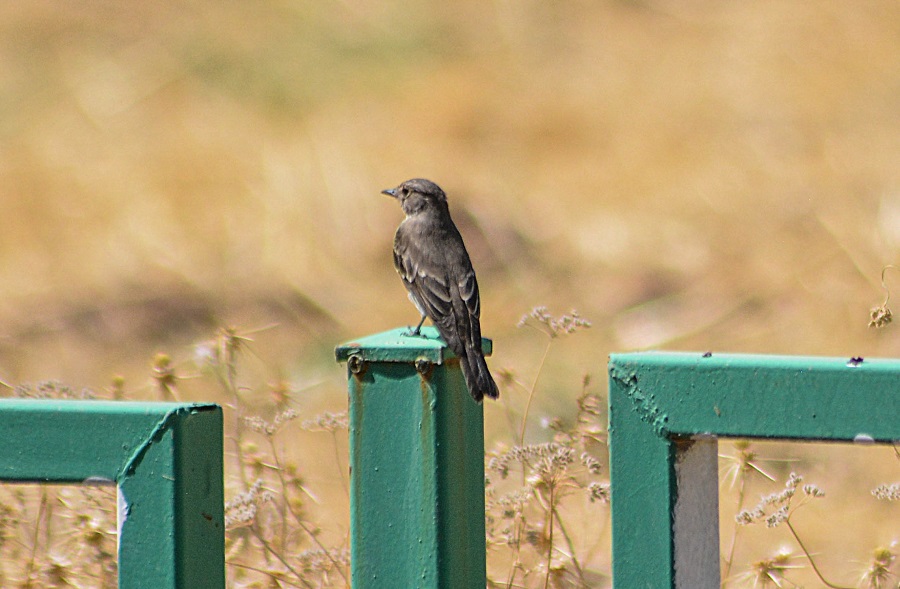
417 332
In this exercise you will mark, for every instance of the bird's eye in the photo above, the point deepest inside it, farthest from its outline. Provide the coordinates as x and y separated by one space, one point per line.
404 191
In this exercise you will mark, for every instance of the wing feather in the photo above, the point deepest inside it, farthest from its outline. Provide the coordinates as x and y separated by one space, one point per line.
438 274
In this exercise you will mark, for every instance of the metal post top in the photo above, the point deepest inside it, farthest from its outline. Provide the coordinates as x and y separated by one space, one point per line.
397 345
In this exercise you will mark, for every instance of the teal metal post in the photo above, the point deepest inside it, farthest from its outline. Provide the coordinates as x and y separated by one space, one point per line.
417 465
666 411
166 460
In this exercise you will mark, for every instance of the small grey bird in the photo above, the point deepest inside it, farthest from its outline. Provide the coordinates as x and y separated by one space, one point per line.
432 260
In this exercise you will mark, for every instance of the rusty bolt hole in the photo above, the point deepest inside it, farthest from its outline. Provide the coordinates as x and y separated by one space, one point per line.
356 364
424 367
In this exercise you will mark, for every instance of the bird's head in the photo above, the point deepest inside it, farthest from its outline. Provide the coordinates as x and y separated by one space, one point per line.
418 195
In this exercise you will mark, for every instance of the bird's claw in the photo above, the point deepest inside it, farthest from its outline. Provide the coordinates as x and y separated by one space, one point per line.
417 332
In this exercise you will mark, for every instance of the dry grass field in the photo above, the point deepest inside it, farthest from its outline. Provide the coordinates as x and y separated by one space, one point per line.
687 175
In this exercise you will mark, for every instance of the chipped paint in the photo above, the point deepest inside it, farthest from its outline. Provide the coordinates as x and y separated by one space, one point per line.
156 434
643 403
123 510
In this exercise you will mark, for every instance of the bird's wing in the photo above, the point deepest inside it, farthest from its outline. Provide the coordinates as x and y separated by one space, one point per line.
423 279
442 281
468 291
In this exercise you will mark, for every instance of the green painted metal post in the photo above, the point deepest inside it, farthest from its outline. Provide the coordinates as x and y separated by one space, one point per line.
417 465
666 411
166 460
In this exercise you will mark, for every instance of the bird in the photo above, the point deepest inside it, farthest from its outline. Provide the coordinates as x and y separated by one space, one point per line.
431 258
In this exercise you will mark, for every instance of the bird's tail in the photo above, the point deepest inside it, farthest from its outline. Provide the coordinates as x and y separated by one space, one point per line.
477 376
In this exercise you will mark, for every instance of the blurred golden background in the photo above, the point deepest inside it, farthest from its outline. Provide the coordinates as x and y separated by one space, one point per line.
702 175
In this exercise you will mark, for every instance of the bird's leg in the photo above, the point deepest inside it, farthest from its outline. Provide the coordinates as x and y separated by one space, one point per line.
418 330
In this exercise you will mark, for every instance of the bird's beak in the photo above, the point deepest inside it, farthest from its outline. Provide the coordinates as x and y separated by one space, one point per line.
390 192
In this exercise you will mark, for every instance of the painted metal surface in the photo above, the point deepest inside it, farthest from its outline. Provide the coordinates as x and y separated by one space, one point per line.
665 406
165 458
417 465
397 345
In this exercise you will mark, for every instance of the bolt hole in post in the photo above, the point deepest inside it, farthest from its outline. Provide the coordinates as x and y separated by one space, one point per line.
356 364
424 367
